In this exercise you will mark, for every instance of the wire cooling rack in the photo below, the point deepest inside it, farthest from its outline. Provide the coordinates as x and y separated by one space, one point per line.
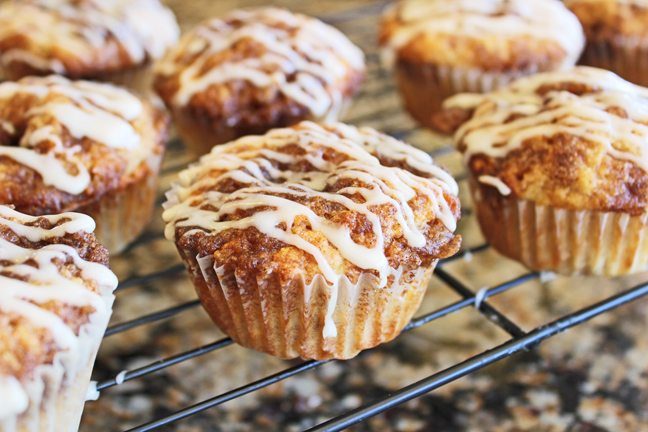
519 340
377 106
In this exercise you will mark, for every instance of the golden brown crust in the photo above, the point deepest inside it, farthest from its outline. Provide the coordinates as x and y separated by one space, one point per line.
564 170
568 172
492 54
610 20
24 187
486 52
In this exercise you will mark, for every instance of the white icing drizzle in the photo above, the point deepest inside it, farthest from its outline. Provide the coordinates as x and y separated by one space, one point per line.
247 159
495 182
121 376
44 283
13 398
144 28
480 297
316 55
99 112
92 394
542 19
557 112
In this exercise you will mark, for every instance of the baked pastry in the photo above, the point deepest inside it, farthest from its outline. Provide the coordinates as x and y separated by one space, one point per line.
101 40
80 146
438 48
56 297
253 70
313 241
617 36
558 168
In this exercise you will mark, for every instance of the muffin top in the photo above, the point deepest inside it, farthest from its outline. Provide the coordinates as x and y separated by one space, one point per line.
56 297
65 143
491 35
82 38
575 139
259 62
310 200
609 19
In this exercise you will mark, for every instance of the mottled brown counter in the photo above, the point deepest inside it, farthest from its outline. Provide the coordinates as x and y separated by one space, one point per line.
590 379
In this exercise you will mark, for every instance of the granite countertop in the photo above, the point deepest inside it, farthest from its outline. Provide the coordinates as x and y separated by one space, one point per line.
592 378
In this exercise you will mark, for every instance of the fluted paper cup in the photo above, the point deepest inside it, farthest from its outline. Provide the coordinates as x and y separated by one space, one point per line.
626 57
424 87
56 398
568 242
123 214
289 318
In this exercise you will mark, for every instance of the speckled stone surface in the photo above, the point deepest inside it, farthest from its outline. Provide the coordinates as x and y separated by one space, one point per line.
590 379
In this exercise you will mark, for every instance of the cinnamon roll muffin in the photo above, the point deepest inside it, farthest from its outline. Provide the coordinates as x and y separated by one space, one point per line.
80 146
313 241
438 48
617 36
55 303
102 40
253 70
558 168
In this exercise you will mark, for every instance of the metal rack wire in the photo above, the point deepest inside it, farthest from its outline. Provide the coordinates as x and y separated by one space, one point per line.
520 340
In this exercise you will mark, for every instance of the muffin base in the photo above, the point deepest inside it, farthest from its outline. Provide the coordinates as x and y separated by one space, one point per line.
201 134
290 319
568 242
424 87
626 57
123 214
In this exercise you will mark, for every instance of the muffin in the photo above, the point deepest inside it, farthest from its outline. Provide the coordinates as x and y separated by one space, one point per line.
99 40
55 303
438 48
254 70
315 241
557 165
617 36
81 146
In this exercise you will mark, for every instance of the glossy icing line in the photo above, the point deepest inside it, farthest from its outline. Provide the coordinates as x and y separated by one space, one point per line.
248 161
313 53
24 286
144 28
99 112
590 116
542 19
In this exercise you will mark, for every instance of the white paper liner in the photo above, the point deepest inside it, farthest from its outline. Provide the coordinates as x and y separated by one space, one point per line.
626 57
424 87
293 319
568 242
122 215
56 396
